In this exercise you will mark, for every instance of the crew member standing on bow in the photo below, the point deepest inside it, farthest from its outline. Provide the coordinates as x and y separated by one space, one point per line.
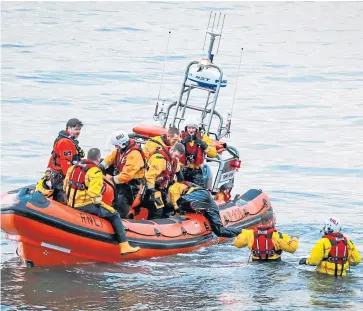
66 152
189 197
197 146
128 162
83 184
333 253
265 242
163 165
158 142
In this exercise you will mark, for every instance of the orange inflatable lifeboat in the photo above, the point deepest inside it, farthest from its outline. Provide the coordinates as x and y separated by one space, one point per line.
50 233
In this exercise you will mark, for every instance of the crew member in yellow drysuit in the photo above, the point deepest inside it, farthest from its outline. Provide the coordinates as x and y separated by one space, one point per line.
157 142
83 185
189 197
128 163
333 253
163 166
265 242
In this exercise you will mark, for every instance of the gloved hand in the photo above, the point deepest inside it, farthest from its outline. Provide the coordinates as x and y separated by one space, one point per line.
187 139
201 143
302 261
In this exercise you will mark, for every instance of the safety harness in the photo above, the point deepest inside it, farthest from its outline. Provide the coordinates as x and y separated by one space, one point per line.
339 251
263 247
163 138
120 159
193 154
77 178
168 175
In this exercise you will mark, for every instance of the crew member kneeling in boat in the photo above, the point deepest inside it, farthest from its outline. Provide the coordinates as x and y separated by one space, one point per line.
158 142
189 197
163 166
333 253
197 146
265 242
65 153
83 184
129 165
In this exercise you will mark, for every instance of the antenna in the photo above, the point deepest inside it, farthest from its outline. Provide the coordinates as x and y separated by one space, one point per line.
214 30
156 115
206 32
220 37
234 95
162 75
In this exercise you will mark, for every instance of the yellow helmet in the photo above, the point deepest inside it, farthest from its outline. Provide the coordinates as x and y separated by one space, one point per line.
43 188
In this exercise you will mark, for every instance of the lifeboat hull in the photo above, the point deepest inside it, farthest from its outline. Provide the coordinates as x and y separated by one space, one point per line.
50 233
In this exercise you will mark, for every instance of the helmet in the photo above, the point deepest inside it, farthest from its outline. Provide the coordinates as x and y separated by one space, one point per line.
332 224
192 122
120 139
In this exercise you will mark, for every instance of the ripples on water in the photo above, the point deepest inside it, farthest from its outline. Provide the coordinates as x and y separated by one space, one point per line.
297 122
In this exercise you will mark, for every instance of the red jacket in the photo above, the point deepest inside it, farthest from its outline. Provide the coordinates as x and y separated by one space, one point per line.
65 152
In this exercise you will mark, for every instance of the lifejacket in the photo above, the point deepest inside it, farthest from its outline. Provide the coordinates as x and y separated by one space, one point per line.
78 176
108 192
339 250
160 145
263 247
168 175
193 154
120 159
163 138
76 158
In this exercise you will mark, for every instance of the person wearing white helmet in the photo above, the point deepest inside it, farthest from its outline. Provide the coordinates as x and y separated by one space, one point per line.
333 253
197 147
128 163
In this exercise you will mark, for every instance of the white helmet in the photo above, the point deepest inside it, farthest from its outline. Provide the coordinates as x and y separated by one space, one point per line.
120 138
192 122
332 224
